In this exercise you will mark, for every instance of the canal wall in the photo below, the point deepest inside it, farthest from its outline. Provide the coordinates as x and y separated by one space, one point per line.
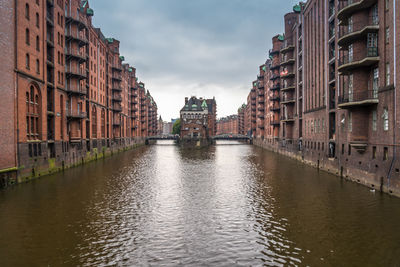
379 175
33 163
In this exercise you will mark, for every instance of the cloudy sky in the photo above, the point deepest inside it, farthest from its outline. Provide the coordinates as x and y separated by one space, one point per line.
193 47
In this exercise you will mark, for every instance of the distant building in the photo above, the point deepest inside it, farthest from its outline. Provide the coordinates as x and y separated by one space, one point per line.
160 125
198 118
167 128
228 125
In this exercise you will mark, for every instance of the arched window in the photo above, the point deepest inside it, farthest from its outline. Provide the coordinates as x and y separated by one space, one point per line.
33 113
37 43
27 11
27 37
103 123
27 61
37 19
94 122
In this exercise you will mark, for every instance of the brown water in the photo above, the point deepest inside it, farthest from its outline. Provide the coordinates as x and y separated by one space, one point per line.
227 205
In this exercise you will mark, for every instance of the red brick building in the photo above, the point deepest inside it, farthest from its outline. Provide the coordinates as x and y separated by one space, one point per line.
198 118
228 125
241 120
333 91
69 96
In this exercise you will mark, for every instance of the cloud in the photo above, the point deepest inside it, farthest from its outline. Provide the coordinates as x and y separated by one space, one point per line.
182 48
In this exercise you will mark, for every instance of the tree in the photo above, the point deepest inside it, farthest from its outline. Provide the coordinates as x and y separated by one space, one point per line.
176 128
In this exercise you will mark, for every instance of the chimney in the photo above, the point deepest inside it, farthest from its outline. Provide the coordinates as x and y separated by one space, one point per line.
186 100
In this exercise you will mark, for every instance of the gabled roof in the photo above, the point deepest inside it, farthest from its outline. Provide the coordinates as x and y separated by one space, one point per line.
193 104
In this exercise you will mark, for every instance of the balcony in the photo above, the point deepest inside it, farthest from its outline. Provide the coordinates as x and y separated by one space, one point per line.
116 67
275 123
357 30
274 77
76 37
275 87
275 98
116 88
260 77
260 85
75 73
117 78
75 114
356 99
116 123
273 52
261 116
347 7
50 39
287 45
287 74
288 100
76 89
288 88
71 54
75 19
275 66
117 98
274 109
288 62
117 108
50 18
368 58
287 118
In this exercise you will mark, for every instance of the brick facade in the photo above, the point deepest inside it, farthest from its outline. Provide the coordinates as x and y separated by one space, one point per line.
228 125
334 87
68 95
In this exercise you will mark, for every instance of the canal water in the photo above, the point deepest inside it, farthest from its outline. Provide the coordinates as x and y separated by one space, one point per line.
228 205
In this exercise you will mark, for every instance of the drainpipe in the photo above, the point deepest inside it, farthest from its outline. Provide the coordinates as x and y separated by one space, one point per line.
394 98
17 157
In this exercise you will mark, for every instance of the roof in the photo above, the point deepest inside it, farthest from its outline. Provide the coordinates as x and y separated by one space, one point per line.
193 104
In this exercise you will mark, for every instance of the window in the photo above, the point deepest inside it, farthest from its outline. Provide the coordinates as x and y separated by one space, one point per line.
27 41
350 122
27 11
37 43
374 152
387 35
387 74
375 83
27 61
375 15
374 120
37 20
350 88
32 113
385 117
385 153
351 53
37 66
387 5
349 150
372 44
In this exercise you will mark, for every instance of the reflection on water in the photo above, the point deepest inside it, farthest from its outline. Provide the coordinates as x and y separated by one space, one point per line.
230 204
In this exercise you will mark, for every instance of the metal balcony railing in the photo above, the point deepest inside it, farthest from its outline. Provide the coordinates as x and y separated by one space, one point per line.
370 52
287 44
77 114
357 26
69 52
358 96
76 89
